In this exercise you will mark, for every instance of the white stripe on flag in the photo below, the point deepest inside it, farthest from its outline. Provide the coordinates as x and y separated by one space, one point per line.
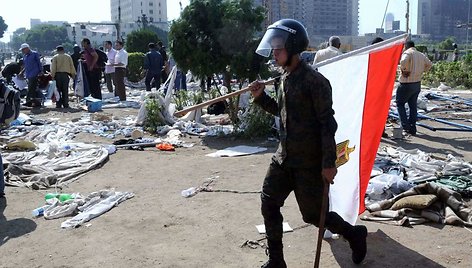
348 78
362 86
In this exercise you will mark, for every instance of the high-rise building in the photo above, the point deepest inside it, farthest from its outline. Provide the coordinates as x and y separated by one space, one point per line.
321 18
138 13
443 18
389 18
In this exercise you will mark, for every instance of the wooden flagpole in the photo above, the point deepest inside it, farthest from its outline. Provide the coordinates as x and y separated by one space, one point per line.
232 94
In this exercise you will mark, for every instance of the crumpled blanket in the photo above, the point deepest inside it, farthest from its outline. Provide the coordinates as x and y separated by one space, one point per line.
421 166
51 166
85 208
56 161
459 183
449 209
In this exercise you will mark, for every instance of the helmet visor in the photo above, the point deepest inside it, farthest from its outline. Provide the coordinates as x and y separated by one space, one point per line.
274 38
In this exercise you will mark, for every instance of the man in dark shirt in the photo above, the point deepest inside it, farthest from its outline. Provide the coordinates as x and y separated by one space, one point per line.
165 63
11 69
305 159
153 63
76 56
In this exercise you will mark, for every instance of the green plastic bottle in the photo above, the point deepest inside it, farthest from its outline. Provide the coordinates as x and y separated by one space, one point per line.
61 197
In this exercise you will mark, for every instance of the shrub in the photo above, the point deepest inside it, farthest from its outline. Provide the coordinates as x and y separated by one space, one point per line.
453 74
255 122
153 115
135 66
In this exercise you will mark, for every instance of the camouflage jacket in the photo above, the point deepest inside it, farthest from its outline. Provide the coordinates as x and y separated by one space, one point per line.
307 124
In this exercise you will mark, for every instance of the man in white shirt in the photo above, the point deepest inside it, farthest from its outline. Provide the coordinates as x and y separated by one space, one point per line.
331 51
120 64
110 70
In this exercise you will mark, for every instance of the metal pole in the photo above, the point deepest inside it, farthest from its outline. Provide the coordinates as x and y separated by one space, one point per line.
462 126
467 31
118 24
407 16
385 14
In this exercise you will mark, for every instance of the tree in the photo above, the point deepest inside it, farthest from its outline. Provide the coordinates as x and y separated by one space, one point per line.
161 34
43 37
18 38
212 35
137 41
3 27
447 44
218 36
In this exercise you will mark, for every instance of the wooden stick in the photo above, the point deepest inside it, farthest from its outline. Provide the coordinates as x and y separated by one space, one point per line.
232 94
321 229
143 144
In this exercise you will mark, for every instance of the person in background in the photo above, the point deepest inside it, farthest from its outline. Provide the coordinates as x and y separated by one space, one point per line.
109 69
62 67
153 63
93 70
76 56
455 55
120 63
305 159
331 51
412 66
32 68
165 66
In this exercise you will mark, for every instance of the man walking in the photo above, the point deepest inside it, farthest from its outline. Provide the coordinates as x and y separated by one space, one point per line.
32 68
331 51
109 69
305 159
62 67
412 65
153 63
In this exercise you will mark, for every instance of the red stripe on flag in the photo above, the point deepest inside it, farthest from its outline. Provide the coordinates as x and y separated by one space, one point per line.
380 79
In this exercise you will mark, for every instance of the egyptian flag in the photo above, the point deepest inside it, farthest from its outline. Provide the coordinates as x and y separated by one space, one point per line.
362 83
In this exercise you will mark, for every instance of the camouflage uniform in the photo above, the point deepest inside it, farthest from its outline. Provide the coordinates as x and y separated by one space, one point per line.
307 129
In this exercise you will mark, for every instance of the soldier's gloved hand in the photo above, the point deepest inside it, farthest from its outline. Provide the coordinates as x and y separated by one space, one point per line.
329 174
256 88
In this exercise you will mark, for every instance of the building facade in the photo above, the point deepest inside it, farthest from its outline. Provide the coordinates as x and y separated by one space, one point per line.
139 13
440 19
132 16
321 18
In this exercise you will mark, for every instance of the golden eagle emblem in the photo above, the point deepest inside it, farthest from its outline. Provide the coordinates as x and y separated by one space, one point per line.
342 152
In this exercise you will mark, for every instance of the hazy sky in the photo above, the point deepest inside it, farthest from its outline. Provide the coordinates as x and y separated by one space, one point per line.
18 15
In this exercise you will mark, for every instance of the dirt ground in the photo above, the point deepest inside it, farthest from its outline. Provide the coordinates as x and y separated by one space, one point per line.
160 228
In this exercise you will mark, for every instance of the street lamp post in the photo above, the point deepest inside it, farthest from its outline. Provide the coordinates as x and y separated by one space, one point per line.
144 20
73 34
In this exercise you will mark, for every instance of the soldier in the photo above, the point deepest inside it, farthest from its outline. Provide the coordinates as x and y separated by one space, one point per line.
305 159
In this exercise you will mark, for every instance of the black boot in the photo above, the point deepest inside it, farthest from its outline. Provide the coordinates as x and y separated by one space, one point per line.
276 255
355 235
357 241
